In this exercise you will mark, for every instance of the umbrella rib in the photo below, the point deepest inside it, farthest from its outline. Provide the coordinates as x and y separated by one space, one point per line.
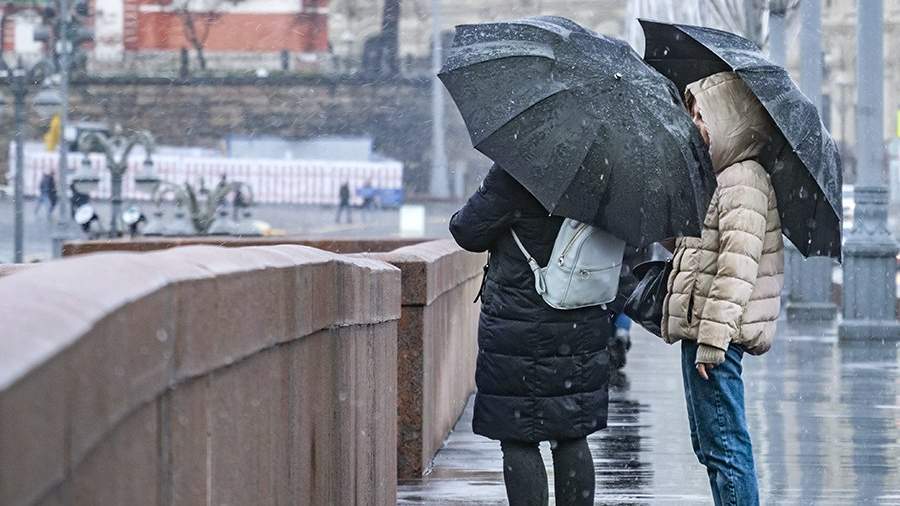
520 113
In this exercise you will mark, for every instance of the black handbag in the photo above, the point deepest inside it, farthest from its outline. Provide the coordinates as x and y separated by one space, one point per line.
645 305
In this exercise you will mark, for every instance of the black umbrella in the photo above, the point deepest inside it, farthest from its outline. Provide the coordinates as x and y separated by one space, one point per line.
806 173
579 119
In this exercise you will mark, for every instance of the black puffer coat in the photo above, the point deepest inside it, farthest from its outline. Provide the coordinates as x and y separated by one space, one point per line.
542 373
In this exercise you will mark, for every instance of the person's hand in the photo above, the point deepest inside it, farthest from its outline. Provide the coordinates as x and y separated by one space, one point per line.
704 369
708 357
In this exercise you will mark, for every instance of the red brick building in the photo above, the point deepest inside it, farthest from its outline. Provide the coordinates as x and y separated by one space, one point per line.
134 32
247 26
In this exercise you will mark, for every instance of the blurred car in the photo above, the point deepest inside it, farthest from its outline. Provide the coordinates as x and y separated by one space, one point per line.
382 198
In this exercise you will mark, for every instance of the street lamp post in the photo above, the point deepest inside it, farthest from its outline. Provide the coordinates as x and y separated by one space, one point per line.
19 80
809 296
117 150
777 14
71 35
439 186
63 229
19 90
870 253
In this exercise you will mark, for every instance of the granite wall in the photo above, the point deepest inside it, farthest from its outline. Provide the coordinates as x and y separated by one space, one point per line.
200 375
202 112
436 342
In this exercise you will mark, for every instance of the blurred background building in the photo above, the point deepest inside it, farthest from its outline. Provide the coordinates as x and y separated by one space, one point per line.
345 36
389 41
351 27
150 35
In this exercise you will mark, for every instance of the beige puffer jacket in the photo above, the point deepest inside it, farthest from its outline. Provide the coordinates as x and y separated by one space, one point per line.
725 285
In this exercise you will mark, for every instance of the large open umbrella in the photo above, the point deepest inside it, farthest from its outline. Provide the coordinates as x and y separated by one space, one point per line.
806 173
579 119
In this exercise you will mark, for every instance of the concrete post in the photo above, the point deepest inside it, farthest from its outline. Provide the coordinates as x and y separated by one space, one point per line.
17 79
116 199
778 56
809 299
870 253
777 51
439 186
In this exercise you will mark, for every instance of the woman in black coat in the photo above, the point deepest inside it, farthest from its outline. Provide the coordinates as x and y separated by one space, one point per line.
542 373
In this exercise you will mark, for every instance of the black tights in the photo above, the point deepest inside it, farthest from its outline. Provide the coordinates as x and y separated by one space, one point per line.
526 478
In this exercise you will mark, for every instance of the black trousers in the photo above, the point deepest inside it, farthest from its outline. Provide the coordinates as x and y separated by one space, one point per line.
526 477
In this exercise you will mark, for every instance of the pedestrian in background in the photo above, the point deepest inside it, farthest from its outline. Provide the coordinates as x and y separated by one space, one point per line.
725 286
344 203
48 195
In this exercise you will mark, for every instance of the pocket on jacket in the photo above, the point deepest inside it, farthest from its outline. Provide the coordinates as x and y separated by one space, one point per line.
690 307
690 266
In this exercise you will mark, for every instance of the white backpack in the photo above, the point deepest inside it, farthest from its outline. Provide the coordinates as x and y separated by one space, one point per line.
583 270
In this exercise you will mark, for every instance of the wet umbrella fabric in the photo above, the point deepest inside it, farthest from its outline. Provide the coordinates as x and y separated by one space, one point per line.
584 124
806 171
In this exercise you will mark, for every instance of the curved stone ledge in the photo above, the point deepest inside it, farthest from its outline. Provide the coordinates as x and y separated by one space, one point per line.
436 345
433 268
128 377
145 244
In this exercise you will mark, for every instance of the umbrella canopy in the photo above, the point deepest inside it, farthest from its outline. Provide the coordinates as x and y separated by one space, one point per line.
806 172
580 120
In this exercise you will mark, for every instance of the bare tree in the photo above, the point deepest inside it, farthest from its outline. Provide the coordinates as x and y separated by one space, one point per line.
198 18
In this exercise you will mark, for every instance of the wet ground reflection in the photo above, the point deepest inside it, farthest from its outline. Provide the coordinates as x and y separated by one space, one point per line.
824 416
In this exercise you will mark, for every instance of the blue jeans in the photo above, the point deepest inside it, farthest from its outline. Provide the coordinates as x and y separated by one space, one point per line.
719 426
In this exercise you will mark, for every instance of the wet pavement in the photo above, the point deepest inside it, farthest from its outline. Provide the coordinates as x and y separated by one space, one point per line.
824 417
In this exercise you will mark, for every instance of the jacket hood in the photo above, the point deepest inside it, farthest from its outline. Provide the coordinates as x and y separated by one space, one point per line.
739 126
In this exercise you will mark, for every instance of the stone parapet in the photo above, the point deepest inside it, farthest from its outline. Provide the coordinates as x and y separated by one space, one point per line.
338 346
142 244
7 269
260 375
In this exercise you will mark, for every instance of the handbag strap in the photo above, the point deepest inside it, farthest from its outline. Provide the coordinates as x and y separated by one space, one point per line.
539 284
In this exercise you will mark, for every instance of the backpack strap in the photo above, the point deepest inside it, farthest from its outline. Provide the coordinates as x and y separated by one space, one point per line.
535 268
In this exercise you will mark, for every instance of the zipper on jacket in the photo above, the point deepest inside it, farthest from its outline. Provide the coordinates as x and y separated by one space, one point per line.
690 308
483 280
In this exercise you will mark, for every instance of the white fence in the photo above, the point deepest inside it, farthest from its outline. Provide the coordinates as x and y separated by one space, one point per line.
272 181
